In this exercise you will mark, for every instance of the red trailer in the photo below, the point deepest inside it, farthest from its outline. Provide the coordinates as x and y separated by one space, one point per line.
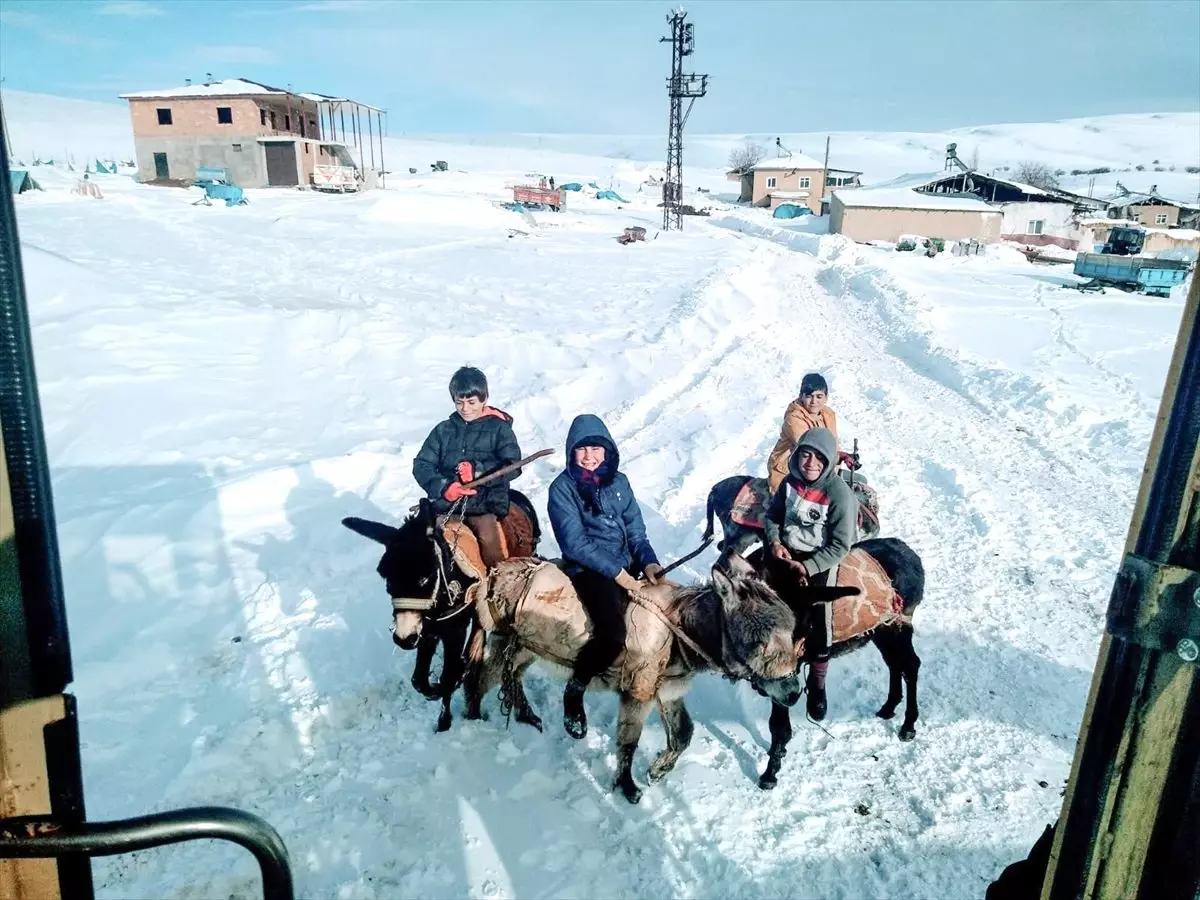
530 195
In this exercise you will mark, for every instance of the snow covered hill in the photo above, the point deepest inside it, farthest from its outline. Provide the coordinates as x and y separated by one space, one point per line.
221 386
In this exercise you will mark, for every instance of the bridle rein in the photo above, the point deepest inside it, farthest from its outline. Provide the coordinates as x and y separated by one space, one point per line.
443 586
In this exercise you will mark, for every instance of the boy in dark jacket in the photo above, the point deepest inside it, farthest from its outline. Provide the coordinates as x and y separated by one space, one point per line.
476 439
599 529
810 528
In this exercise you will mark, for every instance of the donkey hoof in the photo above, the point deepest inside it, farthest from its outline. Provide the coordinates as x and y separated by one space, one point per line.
630 791
767 781
886 712
426 690
529 717
907 733
443 723
662 767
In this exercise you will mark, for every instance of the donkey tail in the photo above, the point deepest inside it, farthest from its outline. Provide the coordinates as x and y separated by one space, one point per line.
708 526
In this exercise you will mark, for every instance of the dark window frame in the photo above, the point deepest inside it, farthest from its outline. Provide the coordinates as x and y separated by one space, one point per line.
164 119
227 112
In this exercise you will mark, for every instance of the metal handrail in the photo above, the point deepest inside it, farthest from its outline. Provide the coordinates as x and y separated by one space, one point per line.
39 837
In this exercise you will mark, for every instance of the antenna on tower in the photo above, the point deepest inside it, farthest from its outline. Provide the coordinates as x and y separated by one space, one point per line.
680 87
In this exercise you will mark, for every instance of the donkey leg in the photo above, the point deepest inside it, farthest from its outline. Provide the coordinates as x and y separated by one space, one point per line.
885 640
912 667
475 674
426 647
630 721
453 645
678 725
524 712
781 734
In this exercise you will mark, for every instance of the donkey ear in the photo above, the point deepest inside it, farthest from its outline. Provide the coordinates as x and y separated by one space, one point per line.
376 531
737 565
725 588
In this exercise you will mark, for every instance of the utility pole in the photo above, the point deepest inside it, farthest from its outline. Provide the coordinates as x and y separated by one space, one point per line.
825 181
1130 823
680 87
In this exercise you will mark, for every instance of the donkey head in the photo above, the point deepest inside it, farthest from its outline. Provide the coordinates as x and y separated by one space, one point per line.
409 568
758 642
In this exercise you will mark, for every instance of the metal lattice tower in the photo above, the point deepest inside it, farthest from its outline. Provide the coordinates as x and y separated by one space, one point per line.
680 87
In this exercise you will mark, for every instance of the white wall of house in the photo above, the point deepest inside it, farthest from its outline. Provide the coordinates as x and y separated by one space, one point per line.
1054 218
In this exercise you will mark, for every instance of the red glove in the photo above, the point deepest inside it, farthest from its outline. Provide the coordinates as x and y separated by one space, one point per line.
456 492
848 460
780 552
466 472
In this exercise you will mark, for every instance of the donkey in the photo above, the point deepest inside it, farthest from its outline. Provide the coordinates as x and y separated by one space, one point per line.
742 527
906 573
429 605
734 625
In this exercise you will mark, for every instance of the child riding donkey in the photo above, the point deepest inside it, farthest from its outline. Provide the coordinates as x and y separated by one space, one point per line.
475 440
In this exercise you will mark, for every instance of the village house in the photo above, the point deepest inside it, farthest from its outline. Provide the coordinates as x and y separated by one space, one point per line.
1153 209
261 135
1027 214
887 213
797 179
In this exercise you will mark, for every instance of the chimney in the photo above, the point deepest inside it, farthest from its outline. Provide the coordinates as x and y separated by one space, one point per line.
207 78
187 82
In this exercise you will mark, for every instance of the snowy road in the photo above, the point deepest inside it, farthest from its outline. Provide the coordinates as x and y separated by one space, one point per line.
221 387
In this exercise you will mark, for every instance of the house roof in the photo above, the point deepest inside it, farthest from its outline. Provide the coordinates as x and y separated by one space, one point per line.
236 87
907 198
787 164
230 87
1036 194
325 98
1151 197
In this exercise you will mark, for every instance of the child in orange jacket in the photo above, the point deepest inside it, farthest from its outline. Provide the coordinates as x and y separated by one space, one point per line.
807 411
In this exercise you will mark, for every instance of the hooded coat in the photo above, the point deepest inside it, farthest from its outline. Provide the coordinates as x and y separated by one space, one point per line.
796 421
816 521
606 535
487 443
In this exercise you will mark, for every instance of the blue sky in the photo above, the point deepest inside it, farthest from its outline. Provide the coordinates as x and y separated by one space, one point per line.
574 65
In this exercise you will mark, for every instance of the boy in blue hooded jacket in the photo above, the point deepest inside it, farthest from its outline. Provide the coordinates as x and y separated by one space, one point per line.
599 529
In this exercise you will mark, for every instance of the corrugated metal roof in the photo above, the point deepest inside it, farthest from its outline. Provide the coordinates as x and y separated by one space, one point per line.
907 198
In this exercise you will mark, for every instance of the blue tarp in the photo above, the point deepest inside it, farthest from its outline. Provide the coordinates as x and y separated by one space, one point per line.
610 195
573 186
101 167
593 184
22 181
791 211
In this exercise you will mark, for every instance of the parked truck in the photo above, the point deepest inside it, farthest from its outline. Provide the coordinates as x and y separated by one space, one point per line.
1130 273
532 195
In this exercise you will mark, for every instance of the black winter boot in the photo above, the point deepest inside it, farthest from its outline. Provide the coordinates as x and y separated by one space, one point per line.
816 701
574 718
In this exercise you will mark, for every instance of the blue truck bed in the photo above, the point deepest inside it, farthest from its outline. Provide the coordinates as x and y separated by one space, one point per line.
1154 276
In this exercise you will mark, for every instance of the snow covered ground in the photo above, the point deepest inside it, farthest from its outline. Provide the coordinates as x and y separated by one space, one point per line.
221 386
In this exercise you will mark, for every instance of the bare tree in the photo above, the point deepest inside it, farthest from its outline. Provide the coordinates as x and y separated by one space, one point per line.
745 156
1035 173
